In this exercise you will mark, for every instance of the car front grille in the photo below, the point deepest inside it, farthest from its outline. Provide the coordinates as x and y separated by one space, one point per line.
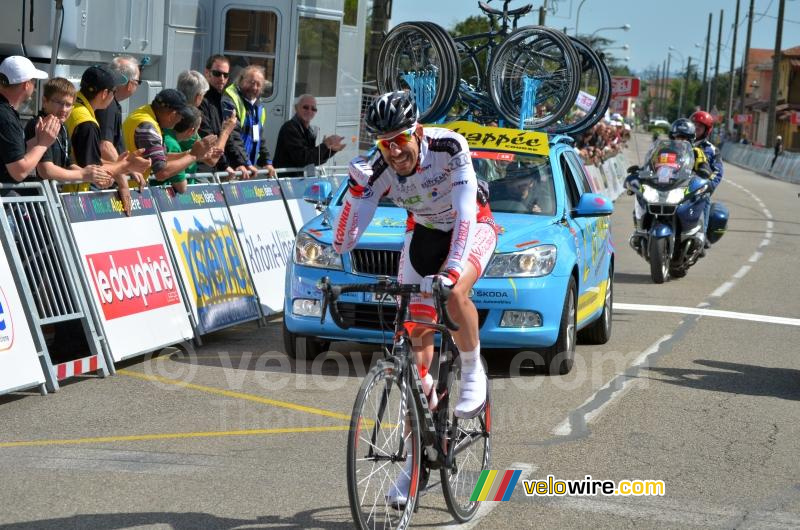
661 209
368 316
375 262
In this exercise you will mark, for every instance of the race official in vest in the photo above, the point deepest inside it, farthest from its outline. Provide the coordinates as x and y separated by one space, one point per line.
97 92
17 82
252 115
142 130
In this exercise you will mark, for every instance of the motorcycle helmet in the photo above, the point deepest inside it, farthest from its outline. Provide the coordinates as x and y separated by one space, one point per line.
390 112
705 119
682 129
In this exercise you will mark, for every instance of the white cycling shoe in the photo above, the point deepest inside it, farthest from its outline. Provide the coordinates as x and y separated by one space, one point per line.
397 497
472 398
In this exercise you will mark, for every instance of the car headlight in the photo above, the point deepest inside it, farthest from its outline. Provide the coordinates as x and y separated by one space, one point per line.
530 263
676 196
650 194
310 252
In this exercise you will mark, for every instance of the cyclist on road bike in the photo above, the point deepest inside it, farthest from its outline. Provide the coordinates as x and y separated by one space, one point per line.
450 232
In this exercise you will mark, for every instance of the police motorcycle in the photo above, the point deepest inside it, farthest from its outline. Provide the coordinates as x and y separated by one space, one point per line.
669 229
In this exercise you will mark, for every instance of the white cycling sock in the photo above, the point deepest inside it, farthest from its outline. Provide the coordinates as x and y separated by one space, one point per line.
471 360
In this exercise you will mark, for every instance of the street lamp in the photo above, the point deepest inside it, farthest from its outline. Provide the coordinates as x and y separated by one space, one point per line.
623 47
624 27
578 16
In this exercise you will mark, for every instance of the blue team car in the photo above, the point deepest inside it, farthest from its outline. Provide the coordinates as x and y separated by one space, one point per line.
549 283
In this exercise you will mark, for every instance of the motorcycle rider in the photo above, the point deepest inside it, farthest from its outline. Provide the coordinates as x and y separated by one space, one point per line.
704 124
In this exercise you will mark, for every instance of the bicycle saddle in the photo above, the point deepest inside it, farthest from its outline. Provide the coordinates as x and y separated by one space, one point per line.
524 10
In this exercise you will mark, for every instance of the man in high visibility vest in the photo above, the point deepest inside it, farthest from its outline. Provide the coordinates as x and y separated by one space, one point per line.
252 115
97 92
142 129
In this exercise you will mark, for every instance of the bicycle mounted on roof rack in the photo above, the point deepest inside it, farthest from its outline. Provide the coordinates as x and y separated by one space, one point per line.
529 77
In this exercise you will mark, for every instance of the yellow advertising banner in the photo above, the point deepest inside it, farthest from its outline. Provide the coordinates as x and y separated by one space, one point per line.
498 138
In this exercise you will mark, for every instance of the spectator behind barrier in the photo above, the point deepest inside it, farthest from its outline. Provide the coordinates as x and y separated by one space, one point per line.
110 118
97 92
214 115
17 75
252 115
193 86
57 100
296 139
143 130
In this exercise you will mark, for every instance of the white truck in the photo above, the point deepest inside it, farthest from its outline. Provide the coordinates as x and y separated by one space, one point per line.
306 46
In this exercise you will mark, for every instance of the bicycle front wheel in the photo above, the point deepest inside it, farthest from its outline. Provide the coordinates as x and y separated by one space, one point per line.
466 443
383 437
534 77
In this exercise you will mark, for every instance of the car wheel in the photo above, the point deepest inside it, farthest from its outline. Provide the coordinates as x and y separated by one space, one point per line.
599 331
297 346
560 357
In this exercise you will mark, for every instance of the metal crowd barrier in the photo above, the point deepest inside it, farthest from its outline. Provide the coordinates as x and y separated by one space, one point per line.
52 284
759 159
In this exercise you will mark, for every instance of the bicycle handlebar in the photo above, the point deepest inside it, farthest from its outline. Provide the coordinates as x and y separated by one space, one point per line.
331 292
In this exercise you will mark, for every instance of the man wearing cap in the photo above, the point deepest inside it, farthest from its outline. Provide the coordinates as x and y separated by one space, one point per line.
96 92
17 76
110 118
142 130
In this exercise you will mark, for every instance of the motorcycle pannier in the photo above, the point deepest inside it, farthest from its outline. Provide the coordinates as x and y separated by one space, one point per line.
717 222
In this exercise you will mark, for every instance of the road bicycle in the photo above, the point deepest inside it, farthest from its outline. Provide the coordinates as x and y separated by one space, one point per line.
392 422
528 77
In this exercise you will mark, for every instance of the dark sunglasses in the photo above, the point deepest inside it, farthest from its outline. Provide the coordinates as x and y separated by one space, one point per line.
309 107
217 73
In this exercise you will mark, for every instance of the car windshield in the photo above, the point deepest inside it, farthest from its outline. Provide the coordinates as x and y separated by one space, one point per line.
517 183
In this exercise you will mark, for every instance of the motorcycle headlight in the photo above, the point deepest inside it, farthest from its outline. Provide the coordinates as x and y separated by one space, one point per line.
529 263
650 194
310 252
676 196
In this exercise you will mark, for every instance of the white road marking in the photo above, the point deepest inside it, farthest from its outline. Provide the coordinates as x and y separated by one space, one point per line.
768 319
764 243
592 409
770 225
744 270
722 289
487 506
756 256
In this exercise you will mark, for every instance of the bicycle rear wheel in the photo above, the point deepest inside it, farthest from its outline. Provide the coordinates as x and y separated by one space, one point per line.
378 445
414 57
595 82
542 59
466 443
448 46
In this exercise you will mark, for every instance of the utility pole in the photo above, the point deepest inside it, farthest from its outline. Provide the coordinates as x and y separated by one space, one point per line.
743 77
685 86
728 115
776 77
542 11
657 86
666 87
706 88
715 81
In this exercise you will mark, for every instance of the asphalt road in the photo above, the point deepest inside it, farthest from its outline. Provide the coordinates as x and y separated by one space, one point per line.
233 435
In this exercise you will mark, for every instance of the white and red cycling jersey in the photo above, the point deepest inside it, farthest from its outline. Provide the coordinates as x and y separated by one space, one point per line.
443 194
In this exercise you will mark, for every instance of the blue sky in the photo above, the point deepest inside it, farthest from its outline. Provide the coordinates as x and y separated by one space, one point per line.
655 25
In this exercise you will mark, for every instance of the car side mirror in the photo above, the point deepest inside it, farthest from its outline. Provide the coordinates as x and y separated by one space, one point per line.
318 194
593 205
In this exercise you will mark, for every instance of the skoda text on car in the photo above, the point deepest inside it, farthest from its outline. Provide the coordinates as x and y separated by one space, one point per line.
549 283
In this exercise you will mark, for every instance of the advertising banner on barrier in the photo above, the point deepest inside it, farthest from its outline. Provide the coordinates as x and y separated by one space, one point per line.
133 284
267 246
209 258
19 363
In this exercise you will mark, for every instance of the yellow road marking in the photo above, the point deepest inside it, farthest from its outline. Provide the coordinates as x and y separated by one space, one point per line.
238 395
172 436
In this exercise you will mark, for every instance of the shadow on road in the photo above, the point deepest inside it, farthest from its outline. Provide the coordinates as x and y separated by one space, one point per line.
638 279
735 378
